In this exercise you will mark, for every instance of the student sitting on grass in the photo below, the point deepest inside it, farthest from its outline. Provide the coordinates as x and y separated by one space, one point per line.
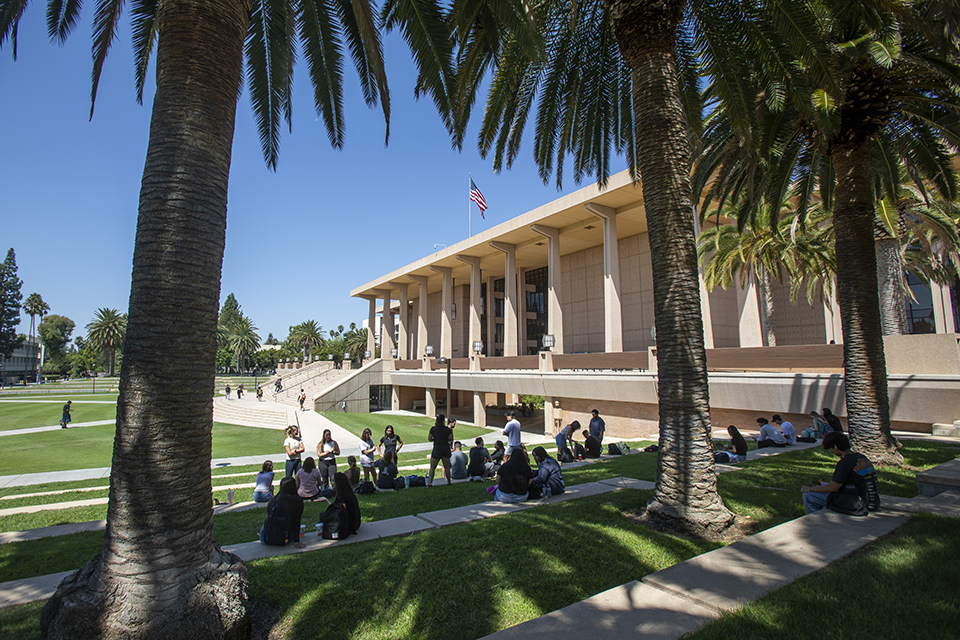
284 512
347 499
591 444
513 478
388 471
264 489
853 488
481 465
769 436
736 451
498 452
308 480
549 479
353 471
458 462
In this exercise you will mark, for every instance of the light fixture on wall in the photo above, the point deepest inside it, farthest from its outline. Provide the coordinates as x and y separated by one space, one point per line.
477 347
330 357
393 353
428 350
453 310
549 340
366 355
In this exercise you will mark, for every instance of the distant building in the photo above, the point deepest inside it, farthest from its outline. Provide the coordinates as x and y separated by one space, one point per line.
21 365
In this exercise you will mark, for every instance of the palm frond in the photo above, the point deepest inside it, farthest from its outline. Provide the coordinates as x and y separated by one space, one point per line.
62 18
104 32
143 17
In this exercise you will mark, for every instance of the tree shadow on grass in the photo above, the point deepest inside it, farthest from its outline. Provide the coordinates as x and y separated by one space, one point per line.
467 580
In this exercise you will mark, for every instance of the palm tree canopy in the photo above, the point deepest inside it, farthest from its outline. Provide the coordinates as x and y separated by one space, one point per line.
35 306
108 329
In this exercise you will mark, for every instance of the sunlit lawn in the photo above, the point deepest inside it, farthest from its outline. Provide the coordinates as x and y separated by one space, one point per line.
46 411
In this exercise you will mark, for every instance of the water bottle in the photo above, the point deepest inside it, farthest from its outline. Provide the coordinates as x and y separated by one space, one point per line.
230 496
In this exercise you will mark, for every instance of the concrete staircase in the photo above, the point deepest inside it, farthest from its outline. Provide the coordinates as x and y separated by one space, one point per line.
313 383
244 413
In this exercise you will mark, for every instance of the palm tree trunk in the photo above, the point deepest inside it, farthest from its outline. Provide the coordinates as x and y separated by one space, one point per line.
160 574
685 496
868 405
768 321
893 311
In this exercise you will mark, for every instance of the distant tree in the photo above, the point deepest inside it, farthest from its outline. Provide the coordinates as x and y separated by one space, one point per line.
35 306
355 341
229 312
306 335
55 332
107 332
244 339
10 298
271 340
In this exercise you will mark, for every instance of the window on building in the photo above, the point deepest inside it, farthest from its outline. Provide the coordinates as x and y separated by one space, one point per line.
920 310
381 397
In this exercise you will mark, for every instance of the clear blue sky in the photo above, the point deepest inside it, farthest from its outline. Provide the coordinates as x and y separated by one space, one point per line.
298 239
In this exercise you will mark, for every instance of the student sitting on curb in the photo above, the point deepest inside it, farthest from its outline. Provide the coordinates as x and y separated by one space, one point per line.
853 488
591 444
769 436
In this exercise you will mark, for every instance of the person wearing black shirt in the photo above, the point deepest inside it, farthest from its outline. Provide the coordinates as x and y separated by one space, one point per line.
514 479
347 499
591 444
481 464
832 420
441 436
294 506
852 467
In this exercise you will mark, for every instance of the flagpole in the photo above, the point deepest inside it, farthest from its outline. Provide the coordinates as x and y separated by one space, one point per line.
469 207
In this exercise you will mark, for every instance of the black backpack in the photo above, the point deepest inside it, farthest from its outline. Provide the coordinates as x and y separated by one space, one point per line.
366 487
851 498
399 483
564 455
277 525
336 522
614 450
418 481
579 452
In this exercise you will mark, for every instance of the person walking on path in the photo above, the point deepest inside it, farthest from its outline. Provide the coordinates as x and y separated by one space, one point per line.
597 426
440 435
240 391
512 431
302 398
65 418
259 393
853 488
227 392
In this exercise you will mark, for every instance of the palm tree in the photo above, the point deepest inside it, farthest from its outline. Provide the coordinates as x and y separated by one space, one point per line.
897 103
307 334
34 306
355 341
107 332
160 570
244 339
764 251
617 76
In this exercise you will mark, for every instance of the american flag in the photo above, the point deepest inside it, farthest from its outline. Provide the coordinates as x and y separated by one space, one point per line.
477 197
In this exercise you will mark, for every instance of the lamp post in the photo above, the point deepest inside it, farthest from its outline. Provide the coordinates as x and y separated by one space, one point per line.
548 341
394 353
446 361
428 350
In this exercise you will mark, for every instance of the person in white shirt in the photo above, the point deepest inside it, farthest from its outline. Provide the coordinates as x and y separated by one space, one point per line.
512 431
769 436
786 429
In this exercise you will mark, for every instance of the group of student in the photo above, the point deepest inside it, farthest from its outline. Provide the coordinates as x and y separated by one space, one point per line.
340 519
568 449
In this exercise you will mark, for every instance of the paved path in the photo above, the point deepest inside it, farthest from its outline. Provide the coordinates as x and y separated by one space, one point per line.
73 425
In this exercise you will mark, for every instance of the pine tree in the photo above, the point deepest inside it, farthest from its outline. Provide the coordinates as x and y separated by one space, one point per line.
10 297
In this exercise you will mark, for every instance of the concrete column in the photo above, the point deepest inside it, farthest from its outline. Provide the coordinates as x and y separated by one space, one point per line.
403 342
831 318
474 263
942 308
706 313
394 398
371 329
386 324
612 318
446 322
422 338
431 405
510 297
748 310
479 410
522 311
548 417
554 294
491 317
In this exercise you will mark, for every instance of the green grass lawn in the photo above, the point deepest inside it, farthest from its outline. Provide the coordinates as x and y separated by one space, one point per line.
522 565
904 585
92 447
22 415
411 429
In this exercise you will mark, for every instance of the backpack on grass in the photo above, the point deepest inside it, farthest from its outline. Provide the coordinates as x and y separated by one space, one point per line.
614 450
277 525
579 452
399 483
564 455
336 522
366 487
417 481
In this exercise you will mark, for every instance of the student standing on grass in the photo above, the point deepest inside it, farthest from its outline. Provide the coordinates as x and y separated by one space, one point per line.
512 431
440 435
327 452
390 443
853 488
597 426
367 452
293 445
65 418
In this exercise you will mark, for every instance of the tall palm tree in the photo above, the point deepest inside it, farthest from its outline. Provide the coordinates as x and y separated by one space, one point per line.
107 332
764 252
355 341
307 334
34 306
160 570
897 102
244 339
617 75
